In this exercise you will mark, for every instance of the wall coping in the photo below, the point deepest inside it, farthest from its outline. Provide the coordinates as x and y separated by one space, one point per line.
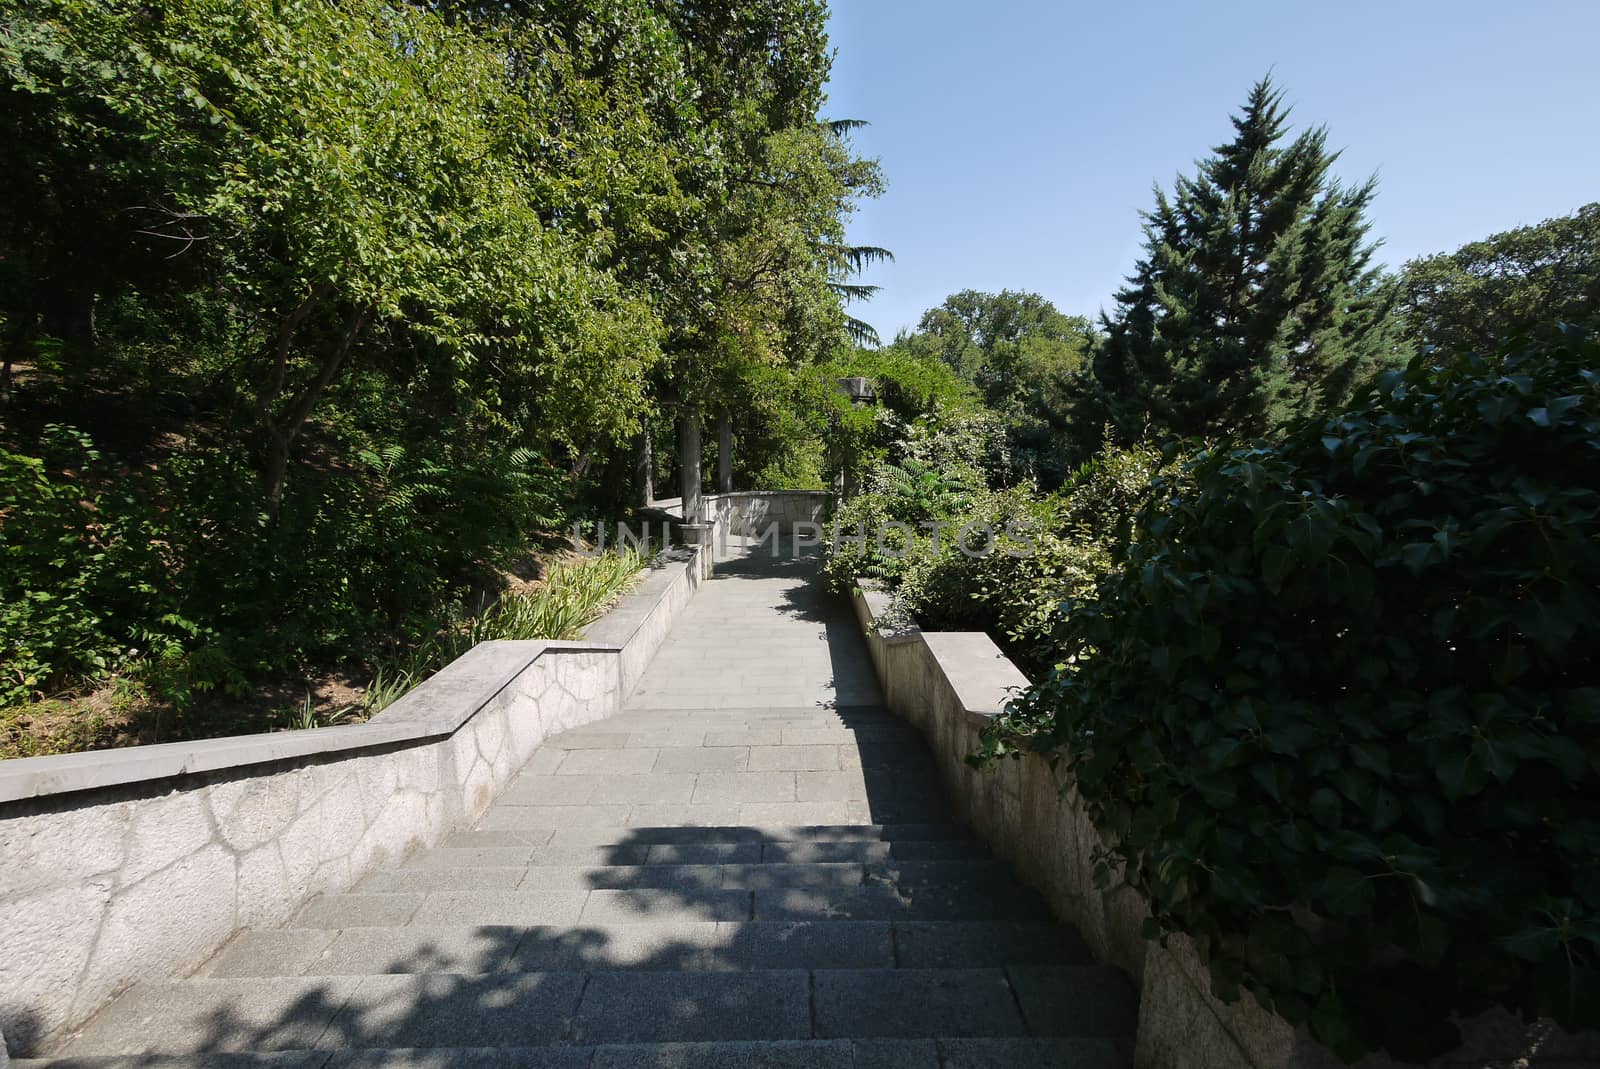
436 708
632 611
982 677
877 601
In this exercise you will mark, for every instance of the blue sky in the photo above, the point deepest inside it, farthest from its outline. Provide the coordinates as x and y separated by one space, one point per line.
1020 138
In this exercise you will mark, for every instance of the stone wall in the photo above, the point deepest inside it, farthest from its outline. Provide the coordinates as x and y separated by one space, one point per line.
123 864
639 623
951 684
748 513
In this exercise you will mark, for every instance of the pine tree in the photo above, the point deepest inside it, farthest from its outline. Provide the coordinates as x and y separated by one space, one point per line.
1255 301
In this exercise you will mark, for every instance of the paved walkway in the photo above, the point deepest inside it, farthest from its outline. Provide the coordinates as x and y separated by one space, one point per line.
751 865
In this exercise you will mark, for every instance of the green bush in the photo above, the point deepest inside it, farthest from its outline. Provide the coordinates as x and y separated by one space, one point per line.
1337 713
172 572
377 548
85 569
1035 563
1044 552
1020 592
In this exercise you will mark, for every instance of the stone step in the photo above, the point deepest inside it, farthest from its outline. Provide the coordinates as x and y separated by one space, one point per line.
611 835
995 899
537 1009
711 719
575 824
512 869
1010 1053
851 714
538 852
691 945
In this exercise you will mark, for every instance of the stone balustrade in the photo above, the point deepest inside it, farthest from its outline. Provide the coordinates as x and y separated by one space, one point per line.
750 513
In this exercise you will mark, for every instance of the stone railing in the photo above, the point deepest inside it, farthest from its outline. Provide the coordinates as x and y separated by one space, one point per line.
951 684
749 513
123 864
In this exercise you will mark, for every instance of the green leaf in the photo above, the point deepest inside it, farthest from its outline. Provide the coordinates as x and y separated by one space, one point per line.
1326 807
1418 555
1276 563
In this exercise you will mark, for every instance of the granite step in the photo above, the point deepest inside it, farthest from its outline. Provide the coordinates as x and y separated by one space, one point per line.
984 1053
685 904
621 835
542 1009
849 865
728 946
539 852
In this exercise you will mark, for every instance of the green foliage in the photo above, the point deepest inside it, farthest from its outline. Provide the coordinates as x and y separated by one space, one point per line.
1255 301
174 573
1027 361
1062 546
879 533
1005 561
908 384
361 300
1337 712
909 388
357 556
1505 285
84 583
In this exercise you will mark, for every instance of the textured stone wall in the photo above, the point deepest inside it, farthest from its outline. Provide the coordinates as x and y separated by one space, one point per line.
749 513
108 874
950 684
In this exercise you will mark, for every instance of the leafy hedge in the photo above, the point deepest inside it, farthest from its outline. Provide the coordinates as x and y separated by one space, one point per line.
1338 710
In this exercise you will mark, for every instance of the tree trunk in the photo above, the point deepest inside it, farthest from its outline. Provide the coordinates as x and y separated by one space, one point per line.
689 463
585 458
724 453
277 470
644 476
281 435
69 315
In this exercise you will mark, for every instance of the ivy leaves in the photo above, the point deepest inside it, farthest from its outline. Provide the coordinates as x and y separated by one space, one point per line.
1338 712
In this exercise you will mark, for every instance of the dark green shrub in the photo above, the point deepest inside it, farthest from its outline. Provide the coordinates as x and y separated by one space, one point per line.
85 569
1337 713
374 549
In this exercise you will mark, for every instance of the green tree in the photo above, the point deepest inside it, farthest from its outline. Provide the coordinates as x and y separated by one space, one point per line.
360 299
1256 300
1028 361
1509 283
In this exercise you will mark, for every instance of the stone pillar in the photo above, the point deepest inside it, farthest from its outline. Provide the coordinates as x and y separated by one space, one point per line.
644 476
689 463
724 453
700 535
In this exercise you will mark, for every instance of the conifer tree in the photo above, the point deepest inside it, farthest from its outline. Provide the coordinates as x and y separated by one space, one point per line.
1255 301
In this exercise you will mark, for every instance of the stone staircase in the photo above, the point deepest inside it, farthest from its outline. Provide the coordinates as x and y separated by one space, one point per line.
778 885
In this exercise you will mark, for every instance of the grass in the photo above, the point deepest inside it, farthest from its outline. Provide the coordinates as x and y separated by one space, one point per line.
574 594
